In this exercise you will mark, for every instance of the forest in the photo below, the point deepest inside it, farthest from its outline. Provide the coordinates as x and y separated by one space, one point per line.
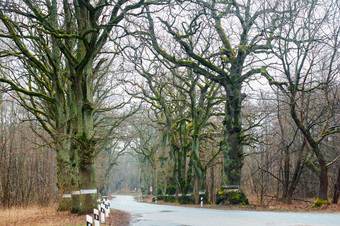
235 101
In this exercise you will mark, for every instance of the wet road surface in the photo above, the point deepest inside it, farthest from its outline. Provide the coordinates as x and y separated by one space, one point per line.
146 214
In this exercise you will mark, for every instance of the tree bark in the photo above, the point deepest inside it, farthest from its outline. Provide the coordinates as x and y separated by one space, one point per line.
232 146
323 192
87 180
336 189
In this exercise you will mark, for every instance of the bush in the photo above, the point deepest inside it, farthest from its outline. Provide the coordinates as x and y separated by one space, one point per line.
170 198
171 190
186 200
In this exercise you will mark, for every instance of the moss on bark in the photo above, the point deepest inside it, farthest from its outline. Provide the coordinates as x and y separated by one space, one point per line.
320 203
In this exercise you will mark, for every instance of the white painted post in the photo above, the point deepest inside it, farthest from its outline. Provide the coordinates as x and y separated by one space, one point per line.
108 203
102 213
98 202
96 217
201 201
106 209
88 220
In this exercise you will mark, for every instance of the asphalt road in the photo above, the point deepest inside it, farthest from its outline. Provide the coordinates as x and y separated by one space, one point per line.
146 214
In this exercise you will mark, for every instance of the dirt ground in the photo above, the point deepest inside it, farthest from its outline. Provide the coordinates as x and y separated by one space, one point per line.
48 216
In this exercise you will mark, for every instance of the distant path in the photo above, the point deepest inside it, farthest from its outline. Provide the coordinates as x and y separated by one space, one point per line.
147 214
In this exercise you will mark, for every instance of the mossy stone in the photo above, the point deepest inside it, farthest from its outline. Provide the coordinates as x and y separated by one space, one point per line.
231 197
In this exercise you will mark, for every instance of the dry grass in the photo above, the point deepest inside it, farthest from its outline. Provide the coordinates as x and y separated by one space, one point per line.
48 216
35 215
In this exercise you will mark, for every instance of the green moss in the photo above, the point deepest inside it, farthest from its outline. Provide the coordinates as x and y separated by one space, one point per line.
320 202
237 198
170 198
171 190
242 49
221 193
225 58
186 200
189 126
231 197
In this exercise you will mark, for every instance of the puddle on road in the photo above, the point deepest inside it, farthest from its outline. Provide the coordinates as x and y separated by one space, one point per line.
166 211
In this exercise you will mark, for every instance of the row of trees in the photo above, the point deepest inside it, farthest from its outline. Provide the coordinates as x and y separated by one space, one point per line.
54 58
195 60
28 165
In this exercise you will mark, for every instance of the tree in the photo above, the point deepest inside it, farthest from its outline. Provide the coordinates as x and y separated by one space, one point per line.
58 45
205 44
306 47
183 103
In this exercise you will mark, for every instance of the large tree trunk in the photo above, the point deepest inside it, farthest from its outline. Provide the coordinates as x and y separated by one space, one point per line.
87 181
199 175
180 169
84 143
84 203
66 176
231 146
63 182
323 192
233 158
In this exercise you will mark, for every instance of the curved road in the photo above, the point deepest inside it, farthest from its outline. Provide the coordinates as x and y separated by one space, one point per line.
163 215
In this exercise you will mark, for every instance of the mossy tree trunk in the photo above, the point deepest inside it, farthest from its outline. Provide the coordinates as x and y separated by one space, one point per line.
180 169
60 53
65 180
83 142
200 107
232 143
175 123
199 171
226 69
87 179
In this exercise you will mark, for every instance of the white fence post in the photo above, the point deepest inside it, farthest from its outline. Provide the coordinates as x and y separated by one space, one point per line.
98 202
108 204
102 213
106 208
88 220
96 217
